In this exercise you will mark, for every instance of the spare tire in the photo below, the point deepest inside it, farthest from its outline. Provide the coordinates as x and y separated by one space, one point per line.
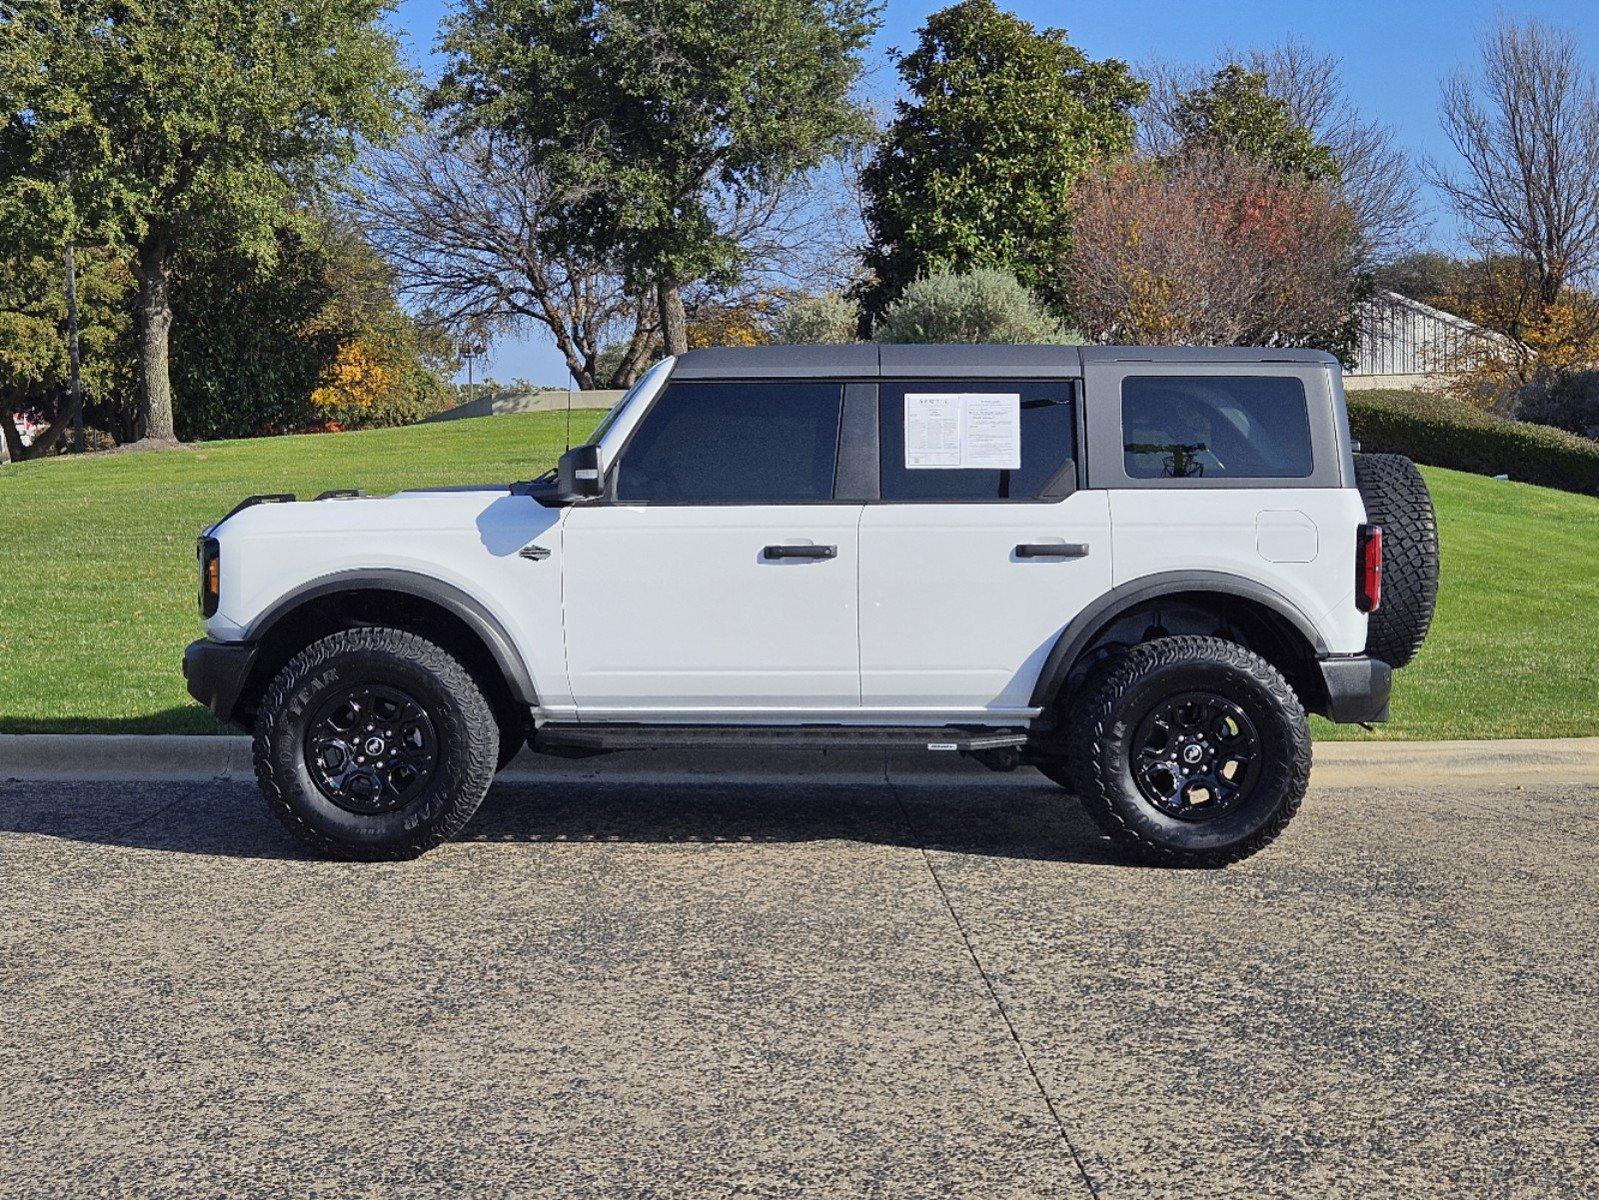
1397 499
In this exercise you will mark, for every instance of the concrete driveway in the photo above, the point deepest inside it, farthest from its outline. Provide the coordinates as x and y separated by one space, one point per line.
782 988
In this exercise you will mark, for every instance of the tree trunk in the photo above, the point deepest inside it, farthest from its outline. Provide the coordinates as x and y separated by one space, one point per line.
153 269
635 357
74 351
674 322
10 440
69 416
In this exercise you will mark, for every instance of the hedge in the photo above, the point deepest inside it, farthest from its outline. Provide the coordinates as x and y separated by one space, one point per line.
1445 432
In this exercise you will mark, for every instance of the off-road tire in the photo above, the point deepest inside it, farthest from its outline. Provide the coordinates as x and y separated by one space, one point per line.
1100 733
1396 498
468 744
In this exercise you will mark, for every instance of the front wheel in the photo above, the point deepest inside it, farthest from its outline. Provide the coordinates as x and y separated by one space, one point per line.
1191 751
374 743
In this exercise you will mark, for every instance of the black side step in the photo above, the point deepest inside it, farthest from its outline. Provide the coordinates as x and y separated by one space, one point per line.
620 736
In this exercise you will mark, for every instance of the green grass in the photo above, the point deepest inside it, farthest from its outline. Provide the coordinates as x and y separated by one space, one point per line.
97 598
1514 648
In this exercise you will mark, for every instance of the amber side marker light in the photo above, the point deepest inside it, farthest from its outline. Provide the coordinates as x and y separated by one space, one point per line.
1368 568
210 556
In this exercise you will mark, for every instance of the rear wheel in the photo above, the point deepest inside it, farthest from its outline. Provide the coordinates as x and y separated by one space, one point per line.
1190 751
375 744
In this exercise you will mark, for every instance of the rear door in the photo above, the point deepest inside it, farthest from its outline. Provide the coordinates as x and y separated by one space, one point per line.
718 578
981 549
1237 469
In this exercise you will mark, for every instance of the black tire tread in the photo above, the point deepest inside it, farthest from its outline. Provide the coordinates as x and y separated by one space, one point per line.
1098 708
476 714
1397 498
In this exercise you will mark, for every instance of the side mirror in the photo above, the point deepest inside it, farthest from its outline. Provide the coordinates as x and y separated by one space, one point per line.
578 473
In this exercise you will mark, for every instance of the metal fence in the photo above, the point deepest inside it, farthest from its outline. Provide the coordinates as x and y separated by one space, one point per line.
1401 336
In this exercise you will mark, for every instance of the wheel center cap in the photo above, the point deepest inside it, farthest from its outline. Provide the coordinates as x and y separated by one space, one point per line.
1192 753
374 745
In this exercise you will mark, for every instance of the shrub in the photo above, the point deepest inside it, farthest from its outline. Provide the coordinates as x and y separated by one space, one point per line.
370 385
817 320
985 305
1445 432
1569 400
1214 250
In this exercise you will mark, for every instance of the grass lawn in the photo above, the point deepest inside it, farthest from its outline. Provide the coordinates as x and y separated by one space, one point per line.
97 597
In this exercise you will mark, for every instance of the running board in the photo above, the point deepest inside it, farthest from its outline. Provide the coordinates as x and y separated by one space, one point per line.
596 738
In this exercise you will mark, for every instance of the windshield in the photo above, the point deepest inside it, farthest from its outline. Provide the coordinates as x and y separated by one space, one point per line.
645 385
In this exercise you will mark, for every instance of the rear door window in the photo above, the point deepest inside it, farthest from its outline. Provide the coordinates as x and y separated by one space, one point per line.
1215 426
932 432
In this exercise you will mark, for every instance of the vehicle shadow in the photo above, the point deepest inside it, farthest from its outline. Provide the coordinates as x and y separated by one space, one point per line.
229 819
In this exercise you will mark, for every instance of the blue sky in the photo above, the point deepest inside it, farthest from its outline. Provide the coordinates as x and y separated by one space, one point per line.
1393 56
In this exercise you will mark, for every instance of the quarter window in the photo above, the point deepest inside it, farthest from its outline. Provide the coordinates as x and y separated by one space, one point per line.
1215 426
930 431
749 443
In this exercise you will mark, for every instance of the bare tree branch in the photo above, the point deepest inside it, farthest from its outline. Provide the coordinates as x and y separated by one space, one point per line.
1527 132
1212 251
461 218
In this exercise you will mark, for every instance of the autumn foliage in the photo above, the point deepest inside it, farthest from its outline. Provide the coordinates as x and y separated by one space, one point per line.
1213 250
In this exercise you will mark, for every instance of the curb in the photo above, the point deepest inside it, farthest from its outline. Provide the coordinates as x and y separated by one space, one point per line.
134 758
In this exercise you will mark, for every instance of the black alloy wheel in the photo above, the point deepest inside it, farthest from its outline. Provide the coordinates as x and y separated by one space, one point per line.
371 748
1196 756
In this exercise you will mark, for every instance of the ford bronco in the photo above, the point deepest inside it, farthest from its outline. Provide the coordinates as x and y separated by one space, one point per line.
1135 570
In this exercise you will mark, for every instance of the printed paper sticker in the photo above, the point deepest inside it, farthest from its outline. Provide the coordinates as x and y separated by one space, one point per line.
963 430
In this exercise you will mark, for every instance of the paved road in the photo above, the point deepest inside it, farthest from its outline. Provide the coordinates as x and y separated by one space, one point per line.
789 989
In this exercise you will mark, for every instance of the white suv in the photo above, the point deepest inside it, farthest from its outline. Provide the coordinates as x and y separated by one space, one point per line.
1134 569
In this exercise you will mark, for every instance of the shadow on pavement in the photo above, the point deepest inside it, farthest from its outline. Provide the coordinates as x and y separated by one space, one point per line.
231 820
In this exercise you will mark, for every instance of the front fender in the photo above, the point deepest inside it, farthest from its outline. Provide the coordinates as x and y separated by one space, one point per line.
472 612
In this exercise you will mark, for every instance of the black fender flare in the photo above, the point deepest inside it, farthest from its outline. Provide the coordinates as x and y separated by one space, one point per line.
460 604
1122 598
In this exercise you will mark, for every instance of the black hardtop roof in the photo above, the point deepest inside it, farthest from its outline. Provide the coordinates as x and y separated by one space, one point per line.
873 360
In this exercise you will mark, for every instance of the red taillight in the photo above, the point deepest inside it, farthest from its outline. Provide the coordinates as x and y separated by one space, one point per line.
1368 568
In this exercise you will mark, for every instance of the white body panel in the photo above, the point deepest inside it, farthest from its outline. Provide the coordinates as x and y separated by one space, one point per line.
1231 531
467 540
673 612
953 622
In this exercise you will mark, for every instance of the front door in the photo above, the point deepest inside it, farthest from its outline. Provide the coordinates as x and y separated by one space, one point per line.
981 549
717 580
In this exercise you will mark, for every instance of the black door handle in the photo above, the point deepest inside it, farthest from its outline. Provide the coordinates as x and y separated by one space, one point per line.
1052 550
800 552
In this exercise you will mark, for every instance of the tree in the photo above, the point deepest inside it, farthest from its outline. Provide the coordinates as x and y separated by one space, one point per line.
817 320
1214 251
1527 133
983 305
35 351
157 125
656 117
979 163
311 338
1236 115
1431 276
1375 178
467 223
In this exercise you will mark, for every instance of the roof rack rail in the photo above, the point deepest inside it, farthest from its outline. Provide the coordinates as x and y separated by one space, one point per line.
252 501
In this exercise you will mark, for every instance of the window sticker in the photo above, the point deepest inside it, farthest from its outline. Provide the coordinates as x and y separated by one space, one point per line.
963 431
